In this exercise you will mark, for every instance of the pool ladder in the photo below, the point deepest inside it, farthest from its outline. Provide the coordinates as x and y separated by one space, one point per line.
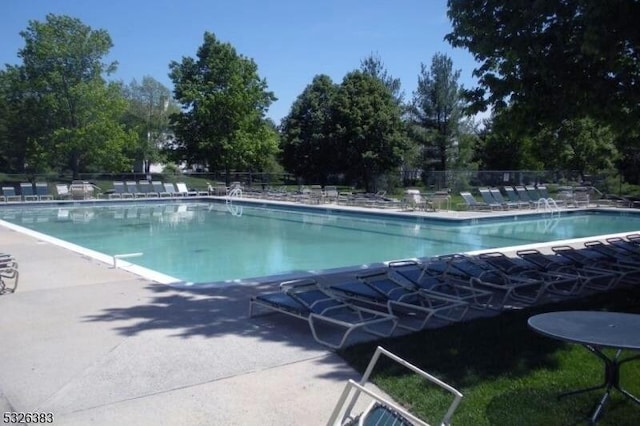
234 209
547 205
234 193
124 256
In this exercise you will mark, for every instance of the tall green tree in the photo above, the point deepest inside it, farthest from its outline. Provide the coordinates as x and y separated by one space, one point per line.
582 145
501 146
224 101
61 82
374 66
553 60
150 104
308 132
435 113
18 120
371 138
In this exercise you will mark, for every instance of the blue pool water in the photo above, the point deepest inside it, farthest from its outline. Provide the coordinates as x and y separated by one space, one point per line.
210 242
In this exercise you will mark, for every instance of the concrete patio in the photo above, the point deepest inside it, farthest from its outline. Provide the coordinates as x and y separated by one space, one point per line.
101 346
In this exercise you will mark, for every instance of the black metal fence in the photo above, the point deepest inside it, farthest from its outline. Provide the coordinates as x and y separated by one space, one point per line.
453 180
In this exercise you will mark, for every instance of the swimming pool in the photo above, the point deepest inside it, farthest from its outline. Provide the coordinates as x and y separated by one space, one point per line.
205 242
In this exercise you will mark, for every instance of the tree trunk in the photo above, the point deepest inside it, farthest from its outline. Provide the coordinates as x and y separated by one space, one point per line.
75 165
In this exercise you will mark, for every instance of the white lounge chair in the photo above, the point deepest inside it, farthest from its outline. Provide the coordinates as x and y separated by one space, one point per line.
63 191
182 189
413 200
8 273
82 190
331 194
381 410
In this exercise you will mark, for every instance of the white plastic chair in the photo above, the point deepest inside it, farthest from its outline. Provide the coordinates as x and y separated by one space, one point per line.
381 410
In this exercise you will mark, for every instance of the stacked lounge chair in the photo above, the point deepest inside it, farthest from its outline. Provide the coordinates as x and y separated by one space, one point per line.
593 278
8 273
490 200
413 307
83 190
472 204
514 197
513 290
331 194
308 301
413 200
595 257
426 278
508 204
412 293
625 244
558 283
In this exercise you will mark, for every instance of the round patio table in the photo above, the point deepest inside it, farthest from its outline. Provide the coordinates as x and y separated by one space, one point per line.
595 330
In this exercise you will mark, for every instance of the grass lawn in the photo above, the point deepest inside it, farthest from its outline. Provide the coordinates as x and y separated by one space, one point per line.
508 374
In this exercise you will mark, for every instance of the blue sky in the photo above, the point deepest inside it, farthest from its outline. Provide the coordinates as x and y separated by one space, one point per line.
290 40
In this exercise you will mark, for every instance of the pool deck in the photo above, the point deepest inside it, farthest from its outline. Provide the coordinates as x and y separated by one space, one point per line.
96 345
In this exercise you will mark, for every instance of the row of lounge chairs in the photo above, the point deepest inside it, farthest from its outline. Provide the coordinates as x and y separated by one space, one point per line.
599 266
412 295
316 194
517 197
39 191
147 189
8 273
28 192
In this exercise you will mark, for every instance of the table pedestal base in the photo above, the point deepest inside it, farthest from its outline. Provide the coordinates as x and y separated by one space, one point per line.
611 380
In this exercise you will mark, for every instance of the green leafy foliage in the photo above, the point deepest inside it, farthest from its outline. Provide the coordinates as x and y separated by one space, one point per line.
374 66
435 113
554 60
308 132
149 107
354 129
223 103
548 65
502 146
67 115
582 145
370 134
